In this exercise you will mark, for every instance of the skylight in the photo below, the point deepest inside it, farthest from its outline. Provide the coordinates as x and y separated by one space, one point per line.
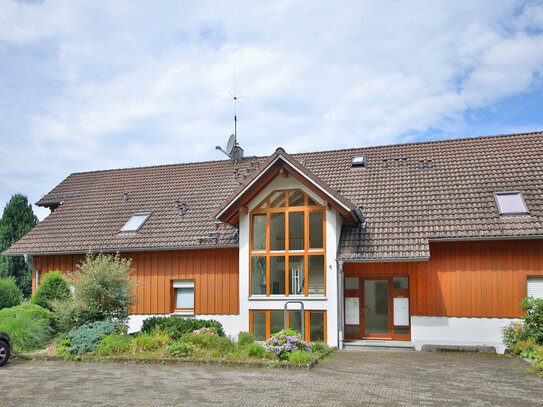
358 161
510 203
135 222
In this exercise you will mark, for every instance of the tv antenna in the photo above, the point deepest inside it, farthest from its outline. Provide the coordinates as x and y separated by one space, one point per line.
233 149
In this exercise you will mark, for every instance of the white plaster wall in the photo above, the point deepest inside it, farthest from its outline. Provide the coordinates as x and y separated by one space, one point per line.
231 323
328 303
458 331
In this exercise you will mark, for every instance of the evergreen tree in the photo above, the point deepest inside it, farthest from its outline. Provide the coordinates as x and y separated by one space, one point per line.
16 221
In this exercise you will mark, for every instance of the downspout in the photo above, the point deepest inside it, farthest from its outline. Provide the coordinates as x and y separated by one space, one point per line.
31 264
340 304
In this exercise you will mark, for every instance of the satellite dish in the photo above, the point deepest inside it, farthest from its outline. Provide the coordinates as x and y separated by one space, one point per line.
230 144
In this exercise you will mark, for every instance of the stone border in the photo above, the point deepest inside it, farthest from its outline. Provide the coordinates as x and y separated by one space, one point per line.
458 348
170 361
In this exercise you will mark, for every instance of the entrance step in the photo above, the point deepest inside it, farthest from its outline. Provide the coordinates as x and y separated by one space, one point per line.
363 344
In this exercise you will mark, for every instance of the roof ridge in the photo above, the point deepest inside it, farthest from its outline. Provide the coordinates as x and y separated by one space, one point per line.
309 152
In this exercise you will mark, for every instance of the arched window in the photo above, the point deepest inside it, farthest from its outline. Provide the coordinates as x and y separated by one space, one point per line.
287 245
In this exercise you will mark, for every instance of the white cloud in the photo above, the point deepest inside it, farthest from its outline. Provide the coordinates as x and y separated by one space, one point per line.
89 85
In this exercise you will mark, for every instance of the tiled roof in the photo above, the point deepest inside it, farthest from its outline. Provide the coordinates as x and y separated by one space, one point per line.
429 190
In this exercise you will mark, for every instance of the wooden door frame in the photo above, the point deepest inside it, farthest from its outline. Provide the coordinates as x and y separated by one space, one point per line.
392 292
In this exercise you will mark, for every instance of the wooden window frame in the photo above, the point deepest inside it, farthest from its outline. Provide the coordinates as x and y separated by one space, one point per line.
307 317
306 252
173 296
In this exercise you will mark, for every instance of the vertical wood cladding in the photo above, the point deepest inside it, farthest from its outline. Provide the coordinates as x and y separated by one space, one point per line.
214 271
466 279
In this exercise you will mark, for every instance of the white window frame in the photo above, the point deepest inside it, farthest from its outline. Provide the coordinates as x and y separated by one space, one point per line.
183 284
145 216
501 212
535 280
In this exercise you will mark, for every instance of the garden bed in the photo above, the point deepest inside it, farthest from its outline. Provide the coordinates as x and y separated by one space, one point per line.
254 364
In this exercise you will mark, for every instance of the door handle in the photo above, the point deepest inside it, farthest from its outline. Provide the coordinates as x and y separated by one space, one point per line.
366 310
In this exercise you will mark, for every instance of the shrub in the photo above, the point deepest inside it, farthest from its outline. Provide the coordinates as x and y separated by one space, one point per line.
10 294
533 318
255 350
87 337
299 356
65 315
53 287
284 342
114 344
180 349
245 338
103 289
149 342
513 333
27 325
202 341
320 347
178 326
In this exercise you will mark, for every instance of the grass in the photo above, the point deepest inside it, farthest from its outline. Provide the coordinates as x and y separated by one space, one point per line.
27 327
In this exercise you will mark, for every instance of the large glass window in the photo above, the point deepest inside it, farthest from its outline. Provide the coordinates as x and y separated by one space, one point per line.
288 245
265 323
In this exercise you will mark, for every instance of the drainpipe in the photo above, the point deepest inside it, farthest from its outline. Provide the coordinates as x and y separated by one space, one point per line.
31 264
340 303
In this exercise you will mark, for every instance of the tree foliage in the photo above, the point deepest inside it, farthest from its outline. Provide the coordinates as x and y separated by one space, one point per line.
17 220
103 290
10 294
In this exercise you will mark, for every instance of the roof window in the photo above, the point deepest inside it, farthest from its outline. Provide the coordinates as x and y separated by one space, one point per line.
358 161
510 203
135 222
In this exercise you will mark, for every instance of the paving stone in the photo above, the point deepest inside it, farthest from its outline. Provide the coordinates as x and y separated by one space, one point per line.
349 378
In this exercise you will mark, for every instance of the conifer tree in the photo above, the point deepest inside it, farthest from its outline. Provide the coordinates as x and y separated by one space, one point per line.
16 221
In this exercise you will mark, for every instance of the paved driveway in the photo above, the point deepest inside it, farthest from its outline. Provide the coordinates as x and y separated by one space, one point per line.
350 378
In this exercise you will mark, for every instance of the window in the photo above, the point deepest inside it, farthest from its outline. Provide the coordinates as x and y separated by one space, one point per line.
358 161
135 222
535 287
510 203
183 296
264 323
288 245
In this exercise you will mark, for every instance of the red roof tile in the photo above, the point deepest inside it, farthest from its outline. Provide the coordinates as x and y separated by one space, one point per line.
408 193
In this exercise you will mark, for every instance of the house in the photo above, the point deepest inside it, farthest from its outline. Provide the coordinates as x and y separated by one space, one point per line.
430 243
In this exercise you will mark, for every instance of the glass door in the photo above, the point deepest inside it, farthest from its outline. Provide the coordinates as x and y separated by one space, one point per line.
377 308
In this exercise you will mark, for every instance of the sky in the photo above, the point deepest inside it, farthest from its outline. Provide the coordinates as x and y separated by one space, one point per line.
90 85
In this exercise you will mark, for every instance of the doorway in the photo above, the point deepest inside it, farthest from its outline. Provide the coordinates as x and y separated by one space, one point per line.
377 307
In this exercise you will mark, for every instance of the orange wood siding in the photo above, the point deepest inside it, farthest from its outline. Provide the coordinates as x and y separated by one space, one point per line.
215 273
466 279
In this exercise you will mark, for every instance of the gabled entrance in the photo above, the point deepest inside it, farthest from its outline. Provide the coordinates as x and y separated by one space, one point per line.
377 307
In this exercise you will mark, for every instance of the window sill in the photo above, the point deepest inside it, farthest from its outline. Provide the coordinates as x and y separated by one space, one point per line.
185 313
283 298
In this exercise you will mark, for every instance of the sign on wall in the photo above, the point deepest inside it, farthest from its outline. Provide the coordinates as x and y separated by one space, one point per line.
352 311
401 311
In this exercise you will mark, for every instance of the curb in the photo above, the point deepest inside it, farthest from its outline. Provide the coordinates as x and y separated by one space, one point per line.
169 361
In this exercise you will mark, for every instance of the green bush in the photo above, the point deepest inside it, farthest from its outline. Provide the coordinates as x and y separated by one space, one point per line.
180 349
178 326
103 289
320 347
284 342
114 344
53 287
299 357
10 294
513 333
87 337
29 326
533 318
66 315
202 341
149 342
245 338
255 350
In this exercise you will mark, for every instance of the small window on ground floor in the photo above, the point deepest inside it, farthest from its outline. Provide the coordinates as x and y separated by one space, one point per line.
265 323
183 296
535 287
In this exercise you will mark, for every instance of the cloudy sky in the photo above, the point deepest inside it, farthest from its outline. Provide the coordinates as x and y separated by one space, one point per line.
88 85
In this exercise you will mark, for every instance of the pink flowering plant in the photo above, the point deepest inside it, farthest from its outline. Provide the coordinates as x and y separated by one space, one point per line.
204 331
285 342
